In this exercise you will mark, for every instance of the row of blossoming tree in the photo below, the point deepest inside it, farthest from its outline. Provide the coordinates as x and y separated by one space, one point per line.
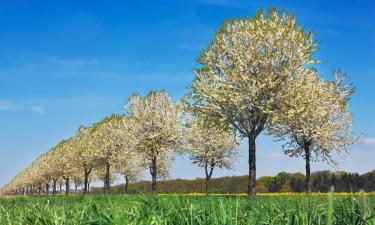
257 76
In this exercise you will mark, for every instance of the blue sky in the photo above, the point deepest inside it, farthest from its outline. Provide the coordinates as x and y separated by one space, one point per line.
69 63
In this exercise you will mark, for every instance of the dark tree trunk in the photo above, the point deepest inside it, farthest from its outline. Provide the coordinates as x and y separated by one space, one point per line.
252 166
40 189
60 187
308 172
126 184
106 178
208 173
67 186
153 170
47 189
54 186
206 189
86 181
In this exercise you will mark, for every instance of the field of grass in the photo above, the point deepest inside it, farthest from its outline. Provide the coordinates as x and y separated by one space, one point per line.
189 209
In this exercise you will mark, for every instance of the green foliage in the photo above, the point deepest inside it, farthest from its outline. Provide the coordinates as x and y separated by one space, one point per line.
282 182
147 209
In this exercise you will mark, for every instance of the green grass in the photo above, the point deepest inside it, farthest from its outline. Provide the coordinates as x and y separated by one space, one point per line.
147 209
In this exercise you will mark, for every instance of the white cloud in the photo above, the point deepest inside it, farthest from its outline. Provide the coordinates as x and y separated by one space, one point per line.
37 109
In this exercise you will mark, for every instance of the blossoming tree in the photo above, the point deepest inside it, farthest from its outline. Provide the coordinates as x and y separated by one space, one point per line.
209 147
108 140
244 70
314 118
83 154
155 131
130 165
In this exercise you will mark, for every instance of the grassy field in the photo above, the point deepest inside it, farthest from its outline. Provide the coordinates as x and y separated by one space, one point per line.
189 209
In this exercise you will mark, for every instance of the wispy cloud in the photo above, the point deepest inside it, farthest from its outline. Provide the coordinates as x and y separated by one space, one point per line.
5 106
28 65
68 62
10 106
37 109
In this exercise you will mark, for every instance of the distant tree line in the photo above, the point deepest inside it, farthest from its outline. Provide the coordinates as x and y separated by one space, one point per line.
322 181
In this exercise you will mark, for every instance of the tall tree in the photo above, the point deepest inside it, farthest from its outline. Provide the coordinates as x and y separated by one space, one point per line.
210 147
84 154
108 140
314 120
155 131
64 161
244 70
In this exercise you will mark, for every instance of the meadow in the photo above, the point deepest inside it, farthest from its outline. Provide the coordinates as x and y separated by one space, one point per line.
285 208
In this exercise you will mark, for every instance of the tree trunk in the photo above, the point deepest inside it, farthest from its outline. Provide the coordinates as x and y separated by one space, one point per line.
47 189
207 179
67 186
106 178
308 172
208 175
126 184
60 186
153 173
206 189
252 166
54 186
86 181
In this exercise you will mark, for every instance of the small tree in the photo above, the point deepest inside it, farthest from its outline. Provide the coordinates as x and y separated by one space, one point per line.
314 119
130 165
244 71
210 147
154 127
